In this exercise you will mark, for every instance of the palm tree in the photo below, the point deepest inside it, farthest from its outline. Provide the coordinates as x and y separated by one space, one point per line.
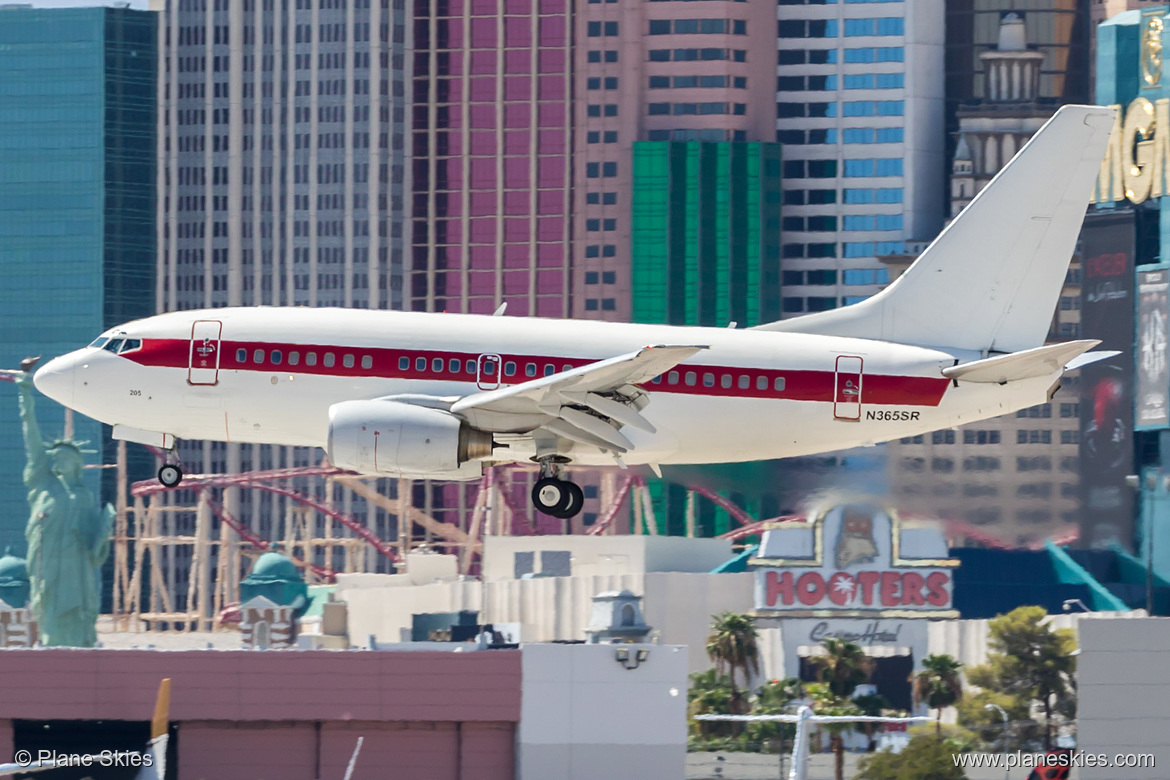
733 645
843 667
938 685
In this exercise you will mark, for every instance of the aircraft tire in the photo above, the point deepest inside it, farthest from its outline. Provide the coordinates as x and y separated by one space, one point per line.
577 501
552 496
170 475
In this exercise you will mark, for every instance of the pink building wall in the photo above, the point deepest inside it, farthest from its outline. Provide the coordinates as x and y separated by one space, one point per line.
255 715
491 134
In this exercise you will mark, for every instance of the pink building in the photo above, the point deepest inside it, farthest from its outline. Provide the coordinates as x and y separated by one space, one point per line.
287 715
492 130
541 712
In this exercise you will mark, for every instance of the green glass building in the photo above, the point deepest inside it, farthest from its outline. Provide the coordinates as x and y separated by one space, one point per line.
705 233
77 205
705 238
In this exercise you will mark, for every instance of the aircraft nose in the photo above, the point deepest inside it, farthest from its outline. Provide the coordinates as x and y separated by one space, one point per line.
55 379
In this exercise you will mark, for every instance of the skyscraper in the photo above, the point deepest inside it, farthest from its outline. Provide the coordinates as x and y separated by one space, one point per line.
77 246
860 115
650 77
492 127
283 177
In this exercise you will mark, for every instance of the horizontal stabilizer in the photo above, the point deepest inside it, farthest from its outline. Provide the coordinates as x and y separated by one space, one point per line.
1030 363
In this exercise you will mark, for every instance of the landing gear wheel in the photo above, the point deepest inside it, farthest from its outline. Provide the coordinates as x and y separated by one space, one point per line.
577 501
551 496
170 475
557 497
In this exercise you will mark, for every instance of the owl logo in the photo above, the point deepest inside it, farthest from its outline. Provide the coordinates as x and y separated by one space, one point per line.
855 542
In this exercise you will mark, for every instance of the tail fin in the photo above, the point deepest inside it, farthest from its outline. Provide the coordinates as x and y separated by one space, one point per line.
991 280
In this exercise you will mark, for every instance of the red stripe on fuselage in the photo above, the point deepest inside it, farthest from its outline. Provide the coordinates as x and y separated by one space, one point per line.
798 385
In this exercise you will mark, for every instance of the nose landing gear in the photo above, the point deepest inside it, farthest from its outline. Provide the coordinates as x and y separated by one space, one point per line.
554 496
171 473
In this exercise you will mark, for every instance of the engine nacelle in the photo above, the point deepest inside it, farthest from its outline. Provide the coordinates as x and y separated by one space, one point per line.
387 437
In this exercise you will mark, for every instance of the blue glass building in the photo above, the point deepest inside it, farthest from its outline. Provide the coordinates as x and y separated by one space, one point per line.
77 204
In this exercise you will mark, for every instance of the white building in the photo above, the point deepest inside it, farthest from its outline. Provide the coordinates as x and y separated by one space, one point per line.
860 114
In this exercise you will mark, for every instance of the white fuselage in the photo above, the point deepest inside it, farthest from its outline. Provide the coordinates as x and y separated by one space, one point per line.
750 395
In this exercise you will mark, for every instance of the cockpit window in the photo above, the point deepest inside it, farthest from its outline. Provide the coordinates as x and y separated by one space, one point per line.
99 342
113 345
129 345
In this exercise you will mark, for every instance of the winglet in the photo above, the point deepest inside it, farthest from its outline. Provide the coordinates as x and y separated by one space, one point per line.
162 707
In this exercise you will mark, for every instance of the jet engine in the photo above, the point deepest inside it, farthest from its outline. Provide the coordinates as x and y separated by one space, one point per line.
388 437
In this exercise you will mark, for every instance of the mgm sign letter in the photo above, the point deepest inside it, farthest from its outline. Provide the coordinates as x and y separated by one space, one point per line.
1138 154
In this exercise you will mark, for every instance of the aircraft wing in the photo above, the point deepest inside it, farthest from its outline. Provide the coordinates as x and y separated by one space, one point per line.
605 388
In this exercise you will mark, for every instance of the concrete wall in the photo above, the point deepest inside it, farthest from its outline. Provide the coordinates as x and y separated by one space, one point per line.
585 716
1123 679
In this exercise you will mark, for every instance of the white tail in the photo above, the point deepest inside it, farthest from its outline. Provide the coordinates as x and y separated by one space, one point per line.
991 280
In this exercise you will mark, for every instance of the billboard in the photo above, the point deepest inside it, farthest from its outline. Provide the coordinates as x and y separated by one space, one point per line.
854 560
1108 245
1152 395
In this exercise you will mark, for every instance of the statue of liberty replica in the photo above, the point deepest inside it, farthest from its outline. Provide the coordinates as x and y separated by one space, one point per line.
68 533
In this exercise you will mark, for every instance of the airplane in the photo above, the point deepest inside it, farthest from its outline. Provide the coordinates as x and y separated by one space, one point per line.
958 338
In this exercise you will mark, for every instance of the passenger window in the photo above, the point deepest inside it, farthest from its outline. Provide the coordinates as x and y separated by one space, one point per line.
437 365
745 381
294 358
509 368
489 368
329 360
549 369
310 358
367 362
761 383
258 356
657 380
403 363
530 369
277 357
690 378
470 366
672 378
347 361
725 380
241 355
420 364
778 384
566 368
453 365
708 379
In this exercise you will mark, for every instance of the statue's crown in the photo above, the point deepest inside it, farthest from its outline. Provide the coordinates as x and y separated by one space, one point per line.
76 446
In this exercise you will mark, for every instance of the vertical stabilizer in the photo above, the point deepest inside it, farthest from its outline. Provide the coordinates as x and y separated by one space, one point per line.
991 280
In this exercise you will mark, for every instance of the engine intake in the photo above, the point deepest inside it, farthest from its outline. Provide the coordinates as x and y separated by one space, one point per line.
387 437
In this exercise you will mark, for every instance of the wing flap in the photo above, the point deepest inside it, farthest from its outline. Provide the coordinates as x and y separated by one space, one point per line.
1027 364
603 376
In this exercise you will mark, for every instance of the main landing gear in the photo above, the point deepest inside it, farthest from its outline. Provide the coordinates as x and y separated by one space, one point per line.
171 473
554 496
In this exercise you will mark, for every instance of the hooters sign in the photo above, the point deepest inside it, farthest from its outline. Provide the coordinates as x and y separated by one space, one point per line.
854 559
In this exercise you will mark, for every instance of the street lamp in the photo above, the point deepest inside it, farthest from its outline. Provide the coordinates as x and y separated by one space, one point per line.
1002 714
